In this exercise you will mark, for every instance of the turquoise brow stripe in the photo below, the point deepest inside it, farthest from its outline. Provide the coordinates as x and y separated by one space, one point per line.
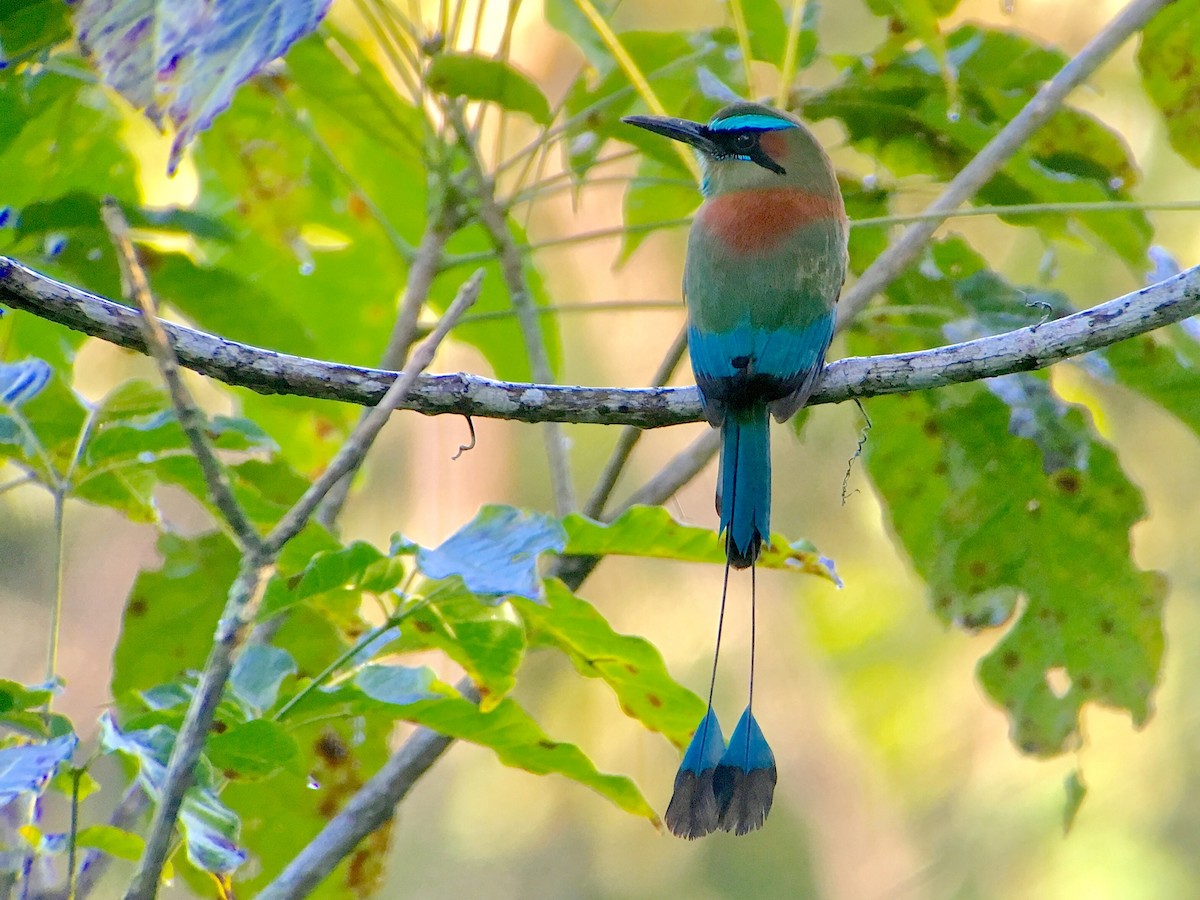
752 121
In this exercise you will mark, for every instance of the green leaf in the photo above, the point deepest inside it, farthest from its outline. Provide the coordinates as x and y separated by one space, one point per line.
496 553
1167 58
567 17
768 30
182 64
650 531
517 741
986 524
40 434
899 111
280 818
357 567
30 27
487 641
172 611
651 202
111 840
252 750
1162 367
630 665
485 78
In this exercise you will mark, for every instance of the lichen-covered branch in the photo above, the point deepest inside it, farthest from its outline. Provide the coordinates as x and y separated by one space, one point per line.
462 394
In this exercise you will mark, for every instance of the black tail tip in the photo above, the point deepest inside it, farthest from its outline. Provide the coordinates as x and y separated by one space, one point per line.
743 557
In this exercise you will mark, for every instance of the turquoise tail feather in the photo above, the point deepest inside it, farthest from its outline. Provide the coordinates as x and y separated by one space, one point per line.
744 492
744 780
693 811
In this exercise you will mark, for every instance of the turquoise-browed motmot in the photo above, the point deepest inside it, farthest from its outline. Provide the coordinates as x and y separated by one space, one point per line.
766 260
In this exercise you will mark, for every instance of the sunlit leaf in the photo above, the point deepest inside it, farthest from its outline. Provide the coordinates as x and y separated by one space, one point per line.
496 553
630 665
182 62
651 531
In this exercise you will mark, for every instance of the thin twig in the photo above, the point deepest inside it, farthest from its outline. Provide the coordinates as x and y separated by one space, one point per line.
243 600
889 264
191 420
629 435
421 274
495 220
351 455
463 394
244 595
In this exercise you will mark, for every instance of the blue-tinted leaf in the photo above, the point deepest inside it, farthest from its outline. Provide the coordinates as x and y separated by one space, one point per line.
496 553
258 673
27 768
399 685
210 829
182 62
21 381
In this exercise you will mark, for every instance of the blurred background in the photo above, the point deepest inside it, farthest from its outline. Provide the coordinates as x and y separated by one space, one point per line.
896 775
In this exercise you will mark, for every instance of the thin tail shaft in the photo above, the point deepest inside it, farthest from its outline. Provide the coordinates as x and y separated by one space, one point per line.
744 487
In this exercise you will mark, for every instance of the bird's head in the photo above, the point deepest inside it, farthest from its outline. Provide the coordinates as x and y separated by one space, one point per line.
749 146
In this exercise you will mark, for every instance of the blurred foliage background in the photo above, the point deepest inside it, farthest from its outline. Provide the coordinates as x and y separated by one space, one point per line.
293 224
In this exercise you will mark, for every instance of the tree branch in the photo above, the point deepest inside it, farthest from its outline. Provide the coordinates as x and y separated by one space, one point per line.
895 259
191 420
269 372
243 599
512 267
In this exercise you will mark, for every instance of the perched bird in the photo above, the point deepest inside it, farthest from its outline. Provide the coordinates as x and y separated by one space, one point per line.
766 260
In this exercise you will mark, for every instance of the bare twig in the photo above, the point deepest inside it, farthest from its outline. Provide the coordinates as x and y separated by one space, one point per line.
351 455
495 220
243 601
463 394
629 435
424 270
889 264
191 420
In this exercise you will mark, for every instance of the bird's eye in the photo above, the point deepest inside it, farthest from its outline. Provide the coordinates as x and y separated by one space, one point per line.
744 141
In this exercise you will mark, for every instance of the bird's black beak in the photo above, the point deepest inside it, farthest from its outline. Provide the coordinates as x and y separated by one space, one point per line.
678 129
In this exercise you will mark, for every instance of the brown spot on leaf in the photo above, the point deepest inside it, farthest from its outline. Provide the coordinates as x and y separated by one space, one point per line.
1107 625
1010 660
423 627
546 744
977 568
137 607
654 700
1067 481
331 748
930 428
219 728
631 668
